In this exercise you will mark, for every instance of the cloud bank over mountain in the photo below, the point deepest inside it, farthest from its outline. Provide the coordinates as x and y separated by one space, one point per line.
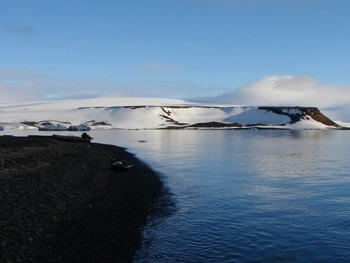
292 91
18 85
269 91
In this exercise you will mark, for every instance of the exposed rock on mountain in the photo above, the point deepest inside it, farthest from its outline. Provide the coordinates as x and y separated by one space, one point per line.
180 116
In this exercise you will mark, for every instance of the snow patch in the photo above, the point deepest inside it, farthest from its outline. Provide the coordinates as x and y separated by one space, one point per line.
258 116
307 124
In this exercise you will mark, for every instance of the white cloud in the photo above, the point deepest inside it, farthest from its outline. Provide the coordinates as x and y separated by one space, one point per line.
292 91
22 85
18 85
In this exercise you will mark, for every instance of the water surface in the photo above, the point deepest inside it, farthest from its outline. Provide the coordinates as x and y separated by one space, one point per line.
246 195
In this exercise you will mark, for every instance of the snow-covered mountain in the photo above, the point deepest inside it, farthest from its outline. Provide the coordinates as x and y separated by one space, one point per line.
136 113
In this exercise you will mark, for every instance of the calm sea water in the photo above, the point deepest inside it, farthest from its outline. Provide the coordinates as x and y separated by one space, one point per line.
246 196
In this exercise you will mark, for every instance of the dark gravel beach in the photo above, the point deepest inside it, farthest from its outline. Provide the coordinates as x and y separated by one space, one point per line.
61 202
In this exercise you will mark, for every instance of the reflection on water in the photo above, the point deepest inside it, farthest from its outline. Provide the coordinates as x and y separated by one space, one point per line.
243 196
247 196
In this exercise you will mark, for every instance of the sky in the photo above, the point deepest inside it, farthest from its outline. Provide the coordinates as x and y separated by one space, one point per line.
237 51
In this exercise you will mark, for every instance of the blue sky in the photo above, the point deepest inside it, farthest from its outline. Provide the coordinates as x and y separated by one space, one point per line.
171 48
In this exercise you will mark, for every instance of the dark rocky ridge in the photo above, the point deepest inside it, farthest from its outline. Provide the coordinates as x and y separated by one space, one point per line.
295 113
60 202
305 112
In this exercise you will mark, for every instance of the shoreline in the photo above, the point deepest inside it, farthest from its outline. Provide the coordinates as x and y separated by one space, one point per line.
61 202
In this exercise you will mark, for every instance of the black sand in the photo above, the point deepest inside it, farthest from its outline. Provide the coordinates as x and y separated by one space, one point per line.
60 202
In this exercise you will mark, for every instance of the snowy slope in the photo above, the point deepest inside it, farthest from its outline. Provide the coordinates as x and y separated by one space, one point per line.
136 113
254 115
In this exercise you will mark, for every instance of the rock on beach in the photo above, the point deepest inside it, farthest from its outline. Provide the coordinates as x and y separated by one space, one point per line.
61 202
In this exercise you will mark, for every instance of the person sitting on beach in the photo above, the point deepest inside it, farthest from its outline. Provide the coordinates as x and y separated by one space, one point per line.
86 137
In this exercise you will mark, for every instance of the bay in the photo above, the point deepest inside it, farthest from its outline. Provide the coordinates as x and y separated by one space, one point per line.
246 195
